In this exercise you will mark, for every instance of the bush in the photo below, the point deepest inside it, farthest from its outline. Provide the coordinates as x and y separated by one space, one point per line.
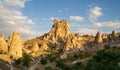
83 55
43 61
61 65
75 56
77 66
104 60
71 58
25 60
48 68
50 57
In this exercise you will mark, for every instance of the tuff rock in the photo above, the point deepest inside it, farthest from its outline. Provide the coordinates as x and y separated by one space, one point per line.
3 44
15 45
98 38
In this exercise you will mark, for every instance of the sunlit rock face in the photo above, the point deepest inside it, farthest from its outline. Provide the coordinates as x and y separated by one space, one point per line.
59 31
3 44
98 38
60 36
36 47
15 45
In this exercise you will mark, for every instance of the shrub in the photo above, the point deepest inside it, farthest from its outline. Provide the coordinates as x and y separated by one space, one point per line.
43 61
25 60
71 58
77 66
104 60
48 68
52 58
61 65
75 56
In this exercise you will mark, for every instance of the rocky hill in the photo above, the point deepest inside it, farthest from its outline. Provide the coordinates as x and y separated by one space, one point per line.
59 38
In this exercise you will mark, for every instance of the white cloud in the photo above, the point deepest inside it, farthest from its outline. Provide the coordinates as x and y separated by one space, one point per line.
12 19
84 31
95 13
76 18
109 24
52 18
72 24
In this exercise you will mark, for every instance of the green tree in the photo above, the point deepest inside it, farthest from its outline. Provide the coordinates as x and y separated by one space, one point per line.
104 60
24 60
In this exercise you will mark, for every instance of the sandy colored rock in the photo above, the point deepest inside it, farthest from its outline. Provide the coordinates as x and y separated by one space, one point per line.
36 47
98 37
60 36
15 45
104 36
5 57
114 34
3 44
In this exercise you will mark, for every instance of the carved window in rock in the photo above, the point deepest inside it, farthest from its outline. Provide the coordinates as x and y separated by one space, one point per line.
39 45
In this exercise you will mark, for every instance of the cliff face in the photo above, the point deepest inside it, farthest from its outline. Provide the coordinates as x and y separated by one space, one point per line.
60 36
3 44
59 30
15 45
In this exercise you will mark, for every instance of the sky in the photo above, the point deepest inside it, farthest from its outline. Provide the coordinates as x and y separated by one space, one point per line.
33 18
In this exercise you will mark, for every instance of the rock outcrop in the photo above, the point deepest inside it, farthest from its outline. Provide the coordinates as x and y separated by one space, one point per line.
98 38
3 44
15 45
36 47
114 35
60 37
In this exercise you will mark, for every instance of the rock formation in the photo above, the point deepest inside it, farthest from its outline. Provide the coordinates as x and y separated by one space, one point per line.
15 45
3 44
98 38
114 34
60 31
60 36
36 47
104 36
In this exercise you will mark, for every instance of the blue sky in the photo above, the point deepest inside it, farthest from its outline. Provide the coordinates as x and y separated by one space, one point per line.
84 16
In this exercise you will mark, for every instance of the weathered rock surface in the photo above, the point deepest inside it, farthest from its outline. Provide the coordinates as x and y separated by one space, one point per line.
36 46
98 38
3 44
15 45
60 36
